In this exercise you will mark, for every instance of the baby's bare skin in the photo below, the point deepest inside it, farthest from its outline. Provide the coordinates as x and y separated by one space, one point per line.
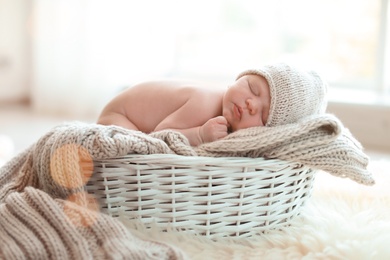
200 112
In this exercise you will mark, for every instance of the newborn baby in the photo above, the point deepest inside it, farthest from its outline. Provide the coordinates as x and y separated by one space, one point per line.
272 95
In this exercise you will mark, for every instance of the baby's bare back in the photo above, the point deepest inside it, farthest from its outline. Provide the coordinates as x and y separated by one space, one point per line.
158 105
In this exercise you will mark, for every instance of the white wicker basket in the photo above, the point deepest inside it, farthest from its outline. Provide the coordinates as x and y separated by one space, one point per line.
215 197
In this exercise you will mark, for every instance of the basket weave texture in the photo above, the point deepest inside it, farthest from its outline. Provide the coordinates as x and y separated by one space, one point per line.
214 197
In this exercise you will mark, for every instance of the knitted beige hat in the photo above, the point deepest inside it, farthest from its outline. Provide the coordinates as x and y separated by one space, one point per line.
295 94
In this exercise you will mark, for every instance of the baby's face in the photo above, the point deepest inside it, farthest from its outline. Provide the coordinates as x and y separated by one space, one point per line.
246 103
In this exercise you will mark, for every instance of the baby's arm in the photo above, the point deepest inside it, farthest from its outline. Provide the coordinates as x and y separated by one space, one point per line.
214 129
198 119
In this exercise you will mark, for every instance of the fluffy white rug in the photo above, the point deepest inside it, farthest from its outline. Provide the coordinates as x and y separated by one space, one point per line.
343 220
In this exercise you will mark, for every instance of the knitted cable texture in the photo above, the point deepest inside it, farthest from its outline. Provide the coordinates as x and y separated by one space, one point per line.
319 141
62 160
36 226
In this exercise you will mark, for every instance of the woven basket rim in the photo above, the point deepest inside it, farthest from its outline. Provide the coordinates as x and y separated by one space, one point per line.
197 158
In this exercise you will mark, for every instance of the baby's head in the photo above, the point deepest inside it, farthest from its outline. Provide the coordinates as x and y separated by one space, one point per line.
295 94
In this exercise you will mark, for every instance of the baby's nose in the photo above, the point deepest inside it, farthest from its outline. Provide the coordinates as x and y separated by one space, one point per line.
252 108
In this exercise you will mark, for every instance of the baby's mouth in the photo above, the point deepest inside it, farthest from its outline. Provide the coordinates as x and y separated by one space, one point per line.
237 111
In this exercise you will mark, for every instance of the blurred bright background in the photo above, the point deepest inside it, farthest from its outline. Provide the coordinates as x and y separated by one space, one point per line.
67 58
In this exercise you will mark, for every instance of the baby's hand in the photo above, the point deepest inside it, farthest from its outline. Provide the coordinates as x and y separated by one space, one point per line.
214 129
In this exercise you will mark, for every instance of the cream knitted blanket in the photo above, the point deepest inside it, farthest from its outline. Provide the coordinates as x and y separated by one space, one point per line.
43 201
321 142
46 215
36 226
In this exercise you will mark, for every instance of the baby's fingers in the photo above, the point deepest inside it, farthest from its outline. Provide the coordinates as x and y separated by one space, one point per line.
221 120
